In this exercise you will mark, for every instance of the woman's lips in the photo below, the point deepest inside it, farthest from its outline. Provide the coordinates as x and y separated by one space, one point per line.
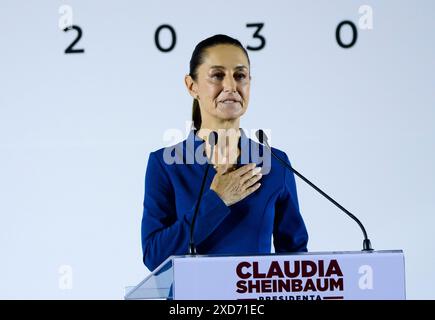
230 101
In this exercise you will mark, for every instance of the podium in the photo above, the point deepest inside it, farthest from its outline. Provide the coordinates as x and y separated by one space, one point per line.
355 275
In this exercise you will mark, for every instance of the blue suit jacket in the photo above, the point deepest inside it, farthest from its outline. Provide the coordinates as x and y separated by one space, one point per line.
172 183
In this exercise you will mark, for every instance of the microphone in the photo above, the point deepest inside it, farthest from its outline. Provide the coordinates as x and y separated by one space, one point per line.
262 138
212 140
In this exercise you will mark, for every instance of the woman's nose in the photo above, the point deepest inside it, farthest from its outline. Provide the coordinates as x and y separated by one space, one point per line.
229 84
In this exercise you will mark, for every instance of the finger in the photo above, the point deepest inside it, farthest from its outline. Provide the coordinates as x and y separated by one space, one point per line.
242 170
250 190
252 180
248 175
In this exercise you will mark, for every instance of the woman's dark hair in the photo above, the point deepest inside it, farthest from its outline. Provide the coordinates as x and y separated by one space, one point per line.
198 58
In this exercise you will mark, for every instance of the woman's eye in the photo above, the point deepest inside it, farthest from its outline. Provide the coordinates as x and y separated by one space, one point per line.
218 75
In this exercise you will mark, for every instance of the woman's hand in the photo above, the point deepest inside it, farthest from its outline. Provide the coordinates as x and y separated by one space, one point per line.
233 186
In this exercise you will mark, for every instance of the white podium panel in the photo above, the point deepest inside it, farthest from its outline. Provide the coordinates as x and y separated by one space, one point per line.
303 276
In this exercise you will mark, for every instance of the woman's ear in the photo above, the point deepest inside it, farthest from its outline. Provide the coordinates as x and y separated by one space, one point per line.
191 86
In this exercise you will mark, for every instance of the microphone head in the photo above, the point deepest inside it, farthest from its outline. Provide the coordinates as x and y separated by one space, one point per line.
213 138
261 136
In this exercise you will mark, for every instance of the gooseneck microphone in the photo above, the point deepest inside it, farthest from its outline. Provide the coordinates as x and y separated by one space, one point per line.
212 140
262 138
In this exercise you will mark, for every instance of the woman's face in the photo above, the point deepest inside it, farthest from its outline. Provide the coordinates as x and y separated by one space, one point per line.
223 83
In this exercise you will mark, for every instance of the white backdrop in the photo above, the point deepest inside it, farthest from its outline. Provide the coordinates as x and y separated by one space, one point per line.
76 129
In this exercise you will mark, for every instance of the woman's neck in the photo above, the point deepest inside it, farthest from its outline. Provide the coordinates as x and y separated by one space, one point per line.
228 140
223 125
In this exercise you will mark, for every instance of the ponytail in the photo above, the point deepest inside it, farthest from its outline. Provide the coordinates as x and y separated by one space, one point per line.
196 114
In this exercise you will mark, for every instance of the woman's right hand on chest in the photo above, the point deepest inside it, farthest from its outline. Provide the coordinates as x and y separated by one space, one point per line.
233 186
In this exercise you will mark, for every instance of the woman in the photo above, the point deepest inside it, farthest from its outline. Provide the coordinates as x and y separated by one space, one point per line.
242 206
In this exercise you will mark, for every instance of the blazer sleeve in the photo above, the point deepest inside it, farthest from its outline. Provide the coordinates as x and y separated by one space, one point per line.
163 232
289 233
